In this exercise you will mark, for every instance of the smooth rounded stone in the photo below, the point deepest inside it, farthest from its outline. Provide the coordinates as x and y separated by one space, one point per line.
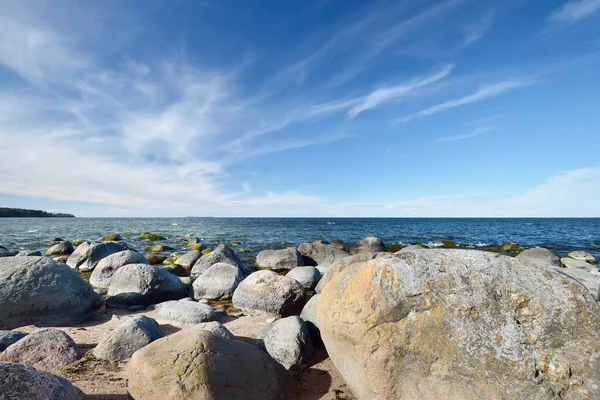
22 382
47 349
87 255
197 364
29 253
322 269
40 291
309 312
288 341
216 328
583 256
185 312
339 244
580 264
540 257
306 276
315 254
219 281
221 254
61 248
279 260
55 241
268 292
453 324
142 285
587 277
151 236
9 337
189 259
158 248
368 245
127 338
344 263
106 267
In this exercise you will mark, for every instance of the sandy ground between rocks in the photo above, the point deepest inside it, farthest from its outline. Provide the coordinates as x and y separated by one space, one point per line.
106 380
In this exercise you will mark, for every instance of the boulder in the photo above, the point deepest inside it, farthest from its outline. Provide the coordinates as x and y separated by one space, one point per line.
288 341
47 349
268 292
510 247
109 265
368 245
29 253
279 260
127 338
142 285
9 337
61 248
27 383
4 252
155 259
320 254
158 248
113 237
219 281
185 312
216 328
344 263
55 241
339 244
588 278
454 324
177 270
306 276
197 364
222 254
309 312
151 236
188 259
540 257
583 256
87 255
580 264
40 291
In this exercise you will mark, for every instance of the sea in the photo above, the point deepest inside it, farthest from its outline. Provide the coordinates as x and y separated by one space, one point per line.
562 235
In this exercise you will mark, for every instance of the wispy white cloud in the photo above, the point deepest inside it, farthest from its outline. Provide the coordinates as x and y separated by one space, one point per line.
387 94
484 92
575 10
476 132
475 31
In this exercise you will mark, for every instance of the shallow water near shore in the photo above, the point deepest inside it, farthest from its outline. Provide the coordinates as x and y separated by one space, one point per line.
560 234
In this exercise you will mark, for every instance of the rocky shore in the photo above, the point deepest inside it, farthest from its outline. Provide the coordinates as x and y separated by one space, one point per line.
366 320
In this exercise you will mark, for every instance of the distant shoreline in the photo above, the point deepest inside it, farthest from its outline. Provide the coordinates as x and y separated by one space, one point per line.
6 212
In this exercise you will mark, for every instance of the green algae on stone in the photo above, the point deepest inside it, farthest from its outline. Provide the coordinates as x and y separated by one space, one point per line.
155 259
113 237
197 246
235 243
509 247
392 248
77 242
206 251
151 236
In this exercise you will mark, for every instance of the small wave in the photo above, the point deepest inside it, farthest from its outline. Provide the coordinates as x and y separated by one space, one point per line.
480 244
435 244
174 224
33 231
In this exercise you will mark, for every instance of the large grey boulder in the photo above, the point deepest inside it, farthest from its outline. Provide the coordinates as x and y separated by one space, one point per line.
454 324
87 255
47 349
60 249
197 364
21 382
107 266
40 291
29 253
540 257
9 337
184 312
307 276
189 259
222 254
583 256
368 245
320 254
279 260
219 281
288 341
268 292
127 338
346 262
142 285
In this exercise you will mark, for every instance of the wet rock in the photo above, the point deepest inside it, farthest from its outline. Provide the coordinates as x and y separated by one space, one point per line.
268 292
142 285
195 363
62 248
23 382
127 338
47 349
151 236
509 247
279 260
219 281
38 290
113 237
107 266
158 248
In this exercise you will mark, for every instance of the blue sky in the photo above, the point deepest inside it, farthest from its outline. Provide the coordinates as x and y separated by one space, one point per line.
301 108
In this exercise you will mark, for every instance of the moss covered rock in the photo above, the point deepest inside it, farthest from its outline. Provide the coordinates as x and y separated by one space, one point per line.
510 247
113 237
158 248
197 246
235 243
155 259
151 236
206 251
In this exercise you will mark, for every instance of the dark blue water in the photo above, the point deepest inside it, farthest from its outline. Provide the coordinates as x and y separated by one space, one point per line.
561 234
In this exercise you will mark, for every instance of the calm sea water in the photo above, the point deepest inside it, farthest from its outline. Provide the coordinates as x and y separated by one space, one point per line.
561 234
